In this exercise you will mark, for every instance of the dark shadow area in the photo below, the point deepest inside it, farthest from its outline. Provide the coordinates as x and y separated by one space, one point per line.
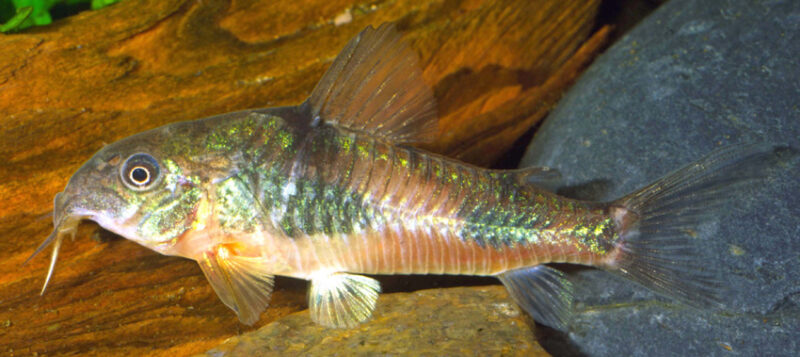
512 158
64 9
624 14
285 283
594 190
7 11
100 234
409 283
557 343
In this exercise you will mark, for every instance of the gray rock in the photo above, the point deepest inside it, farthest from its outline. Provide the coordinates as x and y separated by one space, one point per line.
692 77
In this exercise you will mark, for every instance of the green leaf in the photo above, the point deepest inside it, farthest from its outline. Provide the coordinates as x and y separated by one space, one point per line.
22 14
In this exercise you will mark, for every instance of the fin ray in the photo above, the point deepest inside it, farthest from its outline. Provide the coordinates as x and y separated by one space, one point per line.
240 282
342 300
375 86
656 248
543 292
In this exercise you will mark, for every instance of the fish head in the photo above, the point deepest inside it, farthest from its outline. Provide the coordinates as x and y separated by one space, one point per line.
136 188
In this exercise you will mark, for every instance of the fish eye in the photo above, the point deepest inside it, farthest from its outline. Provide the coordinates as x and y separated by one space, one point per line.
140 171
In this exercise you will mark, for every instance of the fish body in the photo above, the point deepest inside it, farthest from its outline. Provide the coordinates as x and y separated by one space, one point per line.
329 199
331 189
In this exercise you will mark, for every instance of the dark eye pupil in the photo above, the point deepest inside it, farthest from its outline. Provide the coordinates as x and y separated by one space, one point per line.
140 171
140 175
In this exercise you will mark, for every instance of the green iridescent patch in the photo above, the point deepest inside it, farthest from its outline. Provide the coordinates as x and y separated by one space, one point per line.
236 207
166 215
317 208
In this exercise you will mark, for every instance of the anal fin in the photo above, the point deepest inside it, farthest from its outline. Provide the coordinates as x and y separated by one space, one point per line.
543 292
242 283
342 300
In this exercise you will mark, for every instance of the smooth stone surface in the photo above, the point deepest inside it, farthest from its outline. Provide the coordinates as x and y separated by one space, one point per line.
464 321
694 76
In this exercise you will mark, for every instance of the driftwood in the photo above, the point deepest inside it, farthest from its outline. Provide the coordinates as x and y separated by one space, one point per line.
496 68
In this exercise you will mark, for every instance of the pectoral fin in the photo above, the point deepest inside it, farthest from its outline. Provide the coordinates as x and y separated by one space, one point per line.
242 283
543 292
342 300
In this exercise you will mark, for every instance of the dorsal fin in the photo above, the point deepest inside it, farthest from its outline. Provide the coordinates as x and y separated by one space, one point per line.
375 86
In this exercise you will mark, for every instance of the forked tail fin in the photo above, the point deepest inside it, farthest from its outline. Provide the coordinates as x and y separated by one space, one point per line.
656 247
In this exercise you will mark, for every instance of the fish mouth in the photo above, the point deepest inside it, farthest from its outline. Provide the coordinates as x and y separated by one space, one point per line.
65 222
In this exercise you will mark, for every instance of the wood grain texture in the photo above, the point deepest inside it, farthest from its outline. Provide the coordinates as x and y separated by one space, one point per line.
488 324
496 68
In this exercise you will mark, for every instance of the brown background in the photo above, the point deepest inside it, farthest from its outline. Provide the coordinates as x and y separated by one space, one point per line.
496 67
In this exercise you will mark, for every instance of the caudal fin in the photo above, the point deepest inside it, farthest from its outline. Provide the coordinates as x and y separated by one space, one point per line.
657 247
